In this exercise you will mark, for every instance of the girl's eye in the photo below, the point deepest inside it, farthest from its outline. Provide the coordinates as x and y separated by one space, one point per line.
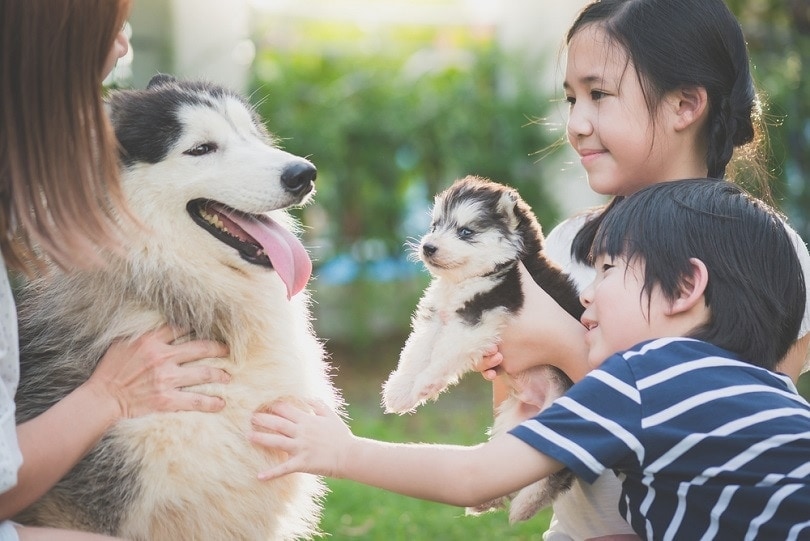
597 95
464 232
606 267
571 100
201 150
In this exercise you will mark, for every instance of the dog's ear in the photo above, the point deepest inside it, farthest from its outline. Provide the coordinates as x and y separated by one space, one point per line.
506 206
160 79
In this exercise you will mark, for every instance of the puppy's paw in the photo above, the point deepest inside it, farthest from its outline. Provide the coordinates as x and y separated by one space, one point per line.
428 387
528 501
402 394
492 505
399 395
531 499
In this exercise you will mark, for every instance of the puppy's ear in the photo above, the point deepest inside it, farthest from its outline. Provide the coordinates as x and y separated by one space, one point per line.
160 79
506 206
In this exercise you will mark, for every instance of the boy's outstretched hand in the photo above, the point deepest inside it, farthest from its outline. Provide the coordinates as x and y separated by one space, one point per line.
317 441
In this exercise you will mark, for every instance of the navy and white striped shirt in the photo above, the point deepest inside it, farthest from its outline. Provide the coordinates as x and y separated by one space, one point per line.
707 446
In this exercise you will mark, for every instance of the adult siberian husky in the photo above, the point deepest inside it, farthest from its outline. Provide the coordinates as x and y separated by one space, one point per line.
217 255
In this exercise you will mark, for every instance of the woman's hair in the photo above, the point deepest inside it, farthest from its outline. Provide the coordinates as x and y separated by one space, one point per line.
676 44
756 292
59 177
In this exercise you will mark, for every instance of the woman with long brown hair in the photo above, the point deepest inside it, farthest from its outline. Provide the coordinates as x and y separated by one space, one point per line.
61 205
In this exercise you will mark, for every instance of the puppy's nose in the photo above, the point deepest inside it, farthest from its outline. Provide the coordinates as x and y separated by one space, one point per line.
429 249
299 178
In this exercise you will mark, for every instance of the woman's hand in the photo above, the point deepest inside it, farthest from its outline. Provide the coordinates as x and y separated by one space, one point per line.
133 378
148 375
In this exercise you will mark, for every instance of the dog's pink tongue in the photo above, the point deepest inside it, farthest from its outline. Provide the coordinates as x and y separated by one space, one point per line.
288 256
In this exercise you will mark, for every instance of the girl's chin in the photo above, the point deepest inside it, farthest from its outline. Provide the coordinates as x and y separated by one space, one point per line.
602 186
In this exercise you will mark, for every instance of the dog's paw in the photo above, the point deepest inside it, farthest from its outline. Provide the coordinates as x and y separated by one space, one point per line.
492 505
402 395
398 394
537 496
426 388
528 501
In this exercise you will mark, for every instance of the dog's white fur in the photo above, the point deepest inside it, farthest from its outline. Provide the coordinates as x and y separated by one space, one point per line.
479 232
193 475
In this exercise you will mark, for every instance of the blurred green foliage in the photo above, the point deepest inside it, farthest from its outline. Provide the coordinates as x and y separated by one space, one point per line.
392 122
778 34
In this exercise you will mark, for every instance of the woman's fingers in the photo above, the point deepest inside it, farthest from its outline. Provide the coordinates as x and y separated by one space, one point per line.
198 349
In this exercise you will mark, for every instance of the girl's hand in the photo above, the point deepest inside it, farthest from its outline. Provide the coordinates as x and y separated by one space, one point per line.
543 333
489 364
316 441
147 375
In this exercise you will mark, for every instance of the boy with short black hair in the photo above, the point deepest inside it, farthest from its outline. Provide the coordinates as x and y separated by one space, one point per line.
700 292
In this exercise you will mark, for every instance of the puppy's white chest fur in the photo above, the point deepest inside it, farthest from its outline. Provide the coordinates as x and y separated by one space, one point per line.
447 340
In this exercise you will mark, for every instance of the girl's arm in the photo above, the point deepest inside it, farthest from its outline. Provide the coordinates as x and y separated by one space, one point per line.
541 334
319 442
132 379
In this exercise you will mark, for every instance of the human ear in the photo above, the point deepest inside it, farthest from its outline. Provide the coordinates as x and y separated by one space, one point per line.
692 288
689 104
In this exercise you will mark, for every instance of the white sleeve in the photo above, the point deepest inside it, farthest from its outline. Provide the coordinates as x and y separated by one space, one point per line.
804 260
558 248
10 457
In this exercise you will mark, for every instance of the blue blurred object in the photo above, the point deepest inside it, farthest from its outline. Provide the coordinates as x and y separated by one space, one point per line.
345 268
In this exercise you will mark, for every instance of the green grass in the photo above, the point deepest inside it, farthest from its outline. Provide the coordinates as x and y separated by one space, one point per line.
460 416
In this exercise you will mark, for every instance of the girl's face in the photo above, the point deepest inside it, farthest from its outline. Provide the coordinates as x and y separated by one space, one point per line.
609 124
618 313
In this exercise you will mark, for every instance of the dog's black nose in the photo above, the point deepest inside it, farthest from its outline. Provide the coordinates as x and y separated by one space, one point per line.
429 249
299 178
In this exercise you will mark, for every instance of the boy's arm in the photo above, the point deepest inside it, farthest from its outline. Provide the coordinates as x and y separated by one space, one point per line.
322 444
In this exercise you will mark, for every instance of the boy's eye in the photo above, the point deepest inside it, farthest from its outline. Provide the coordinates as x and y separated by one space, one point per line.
571 100
606 267
464 232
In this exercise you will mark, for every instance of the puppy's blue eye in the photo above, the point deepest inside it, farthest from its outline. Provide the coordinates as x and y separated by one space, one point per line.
201 150
464 232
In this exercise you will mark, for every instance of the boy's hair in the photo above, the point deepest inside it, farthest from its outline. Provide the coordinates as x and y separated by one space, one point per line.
674 44
756 291
58 153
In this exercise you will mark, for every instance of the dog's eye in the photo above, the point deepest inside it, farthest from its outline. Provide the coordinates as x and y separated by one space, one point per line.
201 150
464 232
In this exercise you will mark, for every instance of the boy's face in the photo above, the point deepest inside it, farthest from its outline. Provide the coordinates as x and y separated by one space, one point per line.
618 313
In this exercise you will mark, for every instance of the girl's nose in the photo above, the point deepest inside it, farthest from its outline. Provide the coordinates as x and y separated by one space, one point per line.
121 44
579 123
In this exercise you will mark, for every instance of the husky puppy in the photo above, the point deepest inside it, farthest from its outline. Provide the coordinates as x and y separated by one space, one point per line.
217 255
480 231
